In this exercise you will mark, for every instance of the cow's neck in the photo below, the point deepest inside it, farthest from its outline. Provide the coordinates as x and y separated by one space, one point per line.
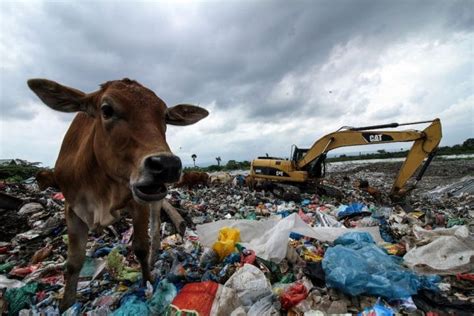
93 195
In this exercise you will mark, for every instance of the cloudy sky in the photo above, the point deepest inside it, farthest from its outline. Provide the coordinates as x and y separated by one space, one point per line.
271 73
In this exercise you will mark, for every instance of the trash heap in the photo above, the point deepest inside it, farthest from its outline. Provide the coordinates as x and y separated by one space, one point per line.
251 253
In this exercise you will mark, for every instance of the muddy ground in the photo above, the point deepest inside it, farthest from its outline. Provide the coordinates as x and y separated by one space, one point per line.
382 174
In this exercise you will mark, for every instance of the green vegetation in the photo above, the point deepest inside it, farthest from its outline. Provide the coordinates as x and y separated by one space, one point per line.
466 148
231 165
18 172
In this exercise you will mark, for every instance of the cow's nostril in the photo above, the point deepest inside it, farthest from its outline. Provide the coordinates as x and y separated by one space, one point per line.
154 164
167 168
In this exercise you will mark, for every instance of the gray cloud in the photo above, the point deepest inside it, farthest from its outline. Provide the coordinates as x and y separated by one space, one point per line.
231 54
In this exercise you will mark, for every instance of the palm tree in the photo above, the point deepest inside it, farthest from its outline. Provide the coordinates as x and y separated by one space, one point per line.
194 159
218 161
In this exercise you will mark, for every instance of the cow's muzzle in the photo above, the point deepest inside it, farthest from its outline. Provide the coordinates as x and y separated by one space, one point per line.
156 171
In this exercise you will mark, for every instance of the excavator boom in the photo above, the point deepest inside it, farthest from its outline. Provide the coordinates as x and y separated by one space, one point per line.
424 146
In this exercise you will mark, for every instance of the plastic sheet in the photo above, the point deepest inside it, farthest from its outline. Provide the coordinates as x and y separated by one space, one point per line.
448 252
357 266
132 306
351 209
163 296
269 238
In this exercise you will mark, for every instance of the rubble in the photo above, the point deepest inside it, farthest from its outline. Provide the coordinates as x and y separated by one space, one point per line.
228 250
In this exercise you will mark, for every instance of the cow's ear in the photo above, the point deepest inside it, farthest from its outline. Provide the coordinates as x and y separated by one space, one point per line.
185 114
59 97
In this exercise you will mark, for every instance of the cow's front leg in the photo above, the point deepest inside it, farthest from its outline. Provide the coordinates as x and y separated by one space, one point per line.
77 232
155 227
141 239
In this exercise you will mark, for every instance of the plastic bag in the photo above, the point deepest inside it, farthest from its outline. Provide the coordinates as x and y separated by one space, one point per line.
19 298
226 241
162 298
204 298
132 306
351 209
293 295
357 266
250 284
377 310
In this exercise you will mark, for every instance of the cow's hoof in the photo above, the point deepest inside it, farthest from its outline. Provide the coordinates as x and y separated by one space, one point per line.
64 305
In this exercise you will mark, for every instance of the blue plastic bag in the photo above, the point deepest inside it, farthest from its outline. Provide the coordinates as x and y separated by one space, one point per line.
162 298
132 306
378 309
355 265
351 209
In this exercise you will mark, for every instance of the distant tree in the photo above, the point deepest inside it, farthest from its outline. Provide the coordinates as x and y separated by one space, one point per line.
213 168
381 151
469 143
232 165
218 161
194 159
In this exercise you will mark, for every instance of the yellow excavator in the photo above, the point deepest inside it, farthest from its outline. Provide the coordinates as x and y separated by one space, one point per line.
307 166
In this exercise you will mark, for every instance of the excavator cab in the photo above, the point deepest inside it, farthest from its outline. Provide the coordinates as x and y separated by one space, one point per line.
315 169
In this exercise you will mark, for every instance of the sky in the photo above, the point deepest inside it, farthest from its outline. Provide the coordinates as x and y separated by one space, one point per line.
271 73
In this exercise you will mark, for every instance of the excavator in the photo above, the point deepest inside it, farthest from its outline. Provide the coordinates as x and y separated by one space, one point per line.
307 165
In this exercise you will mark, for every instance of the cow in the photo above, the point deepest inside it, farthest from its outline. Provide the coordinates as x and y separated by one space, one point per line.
114 156
193 178
45 179
220 178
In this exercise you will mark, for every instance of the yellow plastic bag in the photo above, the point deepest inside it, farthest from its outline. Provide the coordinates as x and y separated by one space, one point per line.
226 241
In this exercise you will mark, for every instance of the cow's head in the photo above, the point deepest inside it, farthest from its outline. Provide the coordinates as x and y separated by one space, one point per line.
129 131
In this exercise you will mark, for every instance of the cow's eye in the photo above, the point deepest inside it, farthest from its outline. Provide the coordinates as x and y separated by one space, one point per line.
107 111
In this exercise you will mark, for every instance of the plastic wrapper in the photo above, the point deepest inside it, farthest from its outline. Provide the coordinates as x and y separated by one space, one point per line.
293 295
19 298
250 284
163 296
357 266
226 241
132 306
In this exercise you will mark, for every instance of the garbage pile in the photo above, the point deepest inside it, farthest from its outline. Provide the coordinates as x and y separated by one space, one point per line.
250 253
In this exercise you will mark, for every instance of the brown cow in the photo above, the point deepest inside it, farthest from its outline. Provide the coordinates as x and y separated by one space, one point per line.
45 179
193 178
113 156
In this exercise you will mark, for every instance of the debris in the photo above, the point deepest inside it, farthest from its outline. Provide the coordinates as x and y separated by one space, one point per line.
271 256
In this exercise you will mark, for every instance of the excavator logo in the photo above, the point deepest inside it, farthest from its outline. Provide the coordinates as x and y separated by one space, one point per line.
373 137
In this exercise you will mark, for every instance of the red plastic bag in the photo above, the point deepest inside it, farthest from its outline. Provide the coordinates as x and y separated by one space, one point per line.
293 295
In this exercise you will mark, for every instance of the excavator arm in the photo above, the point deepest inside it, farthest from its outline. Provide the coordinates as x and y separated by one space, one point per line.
424 146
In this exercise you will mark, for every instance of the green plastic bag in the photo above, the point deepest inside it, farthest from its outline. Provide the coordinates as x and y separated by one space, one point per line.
19 298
